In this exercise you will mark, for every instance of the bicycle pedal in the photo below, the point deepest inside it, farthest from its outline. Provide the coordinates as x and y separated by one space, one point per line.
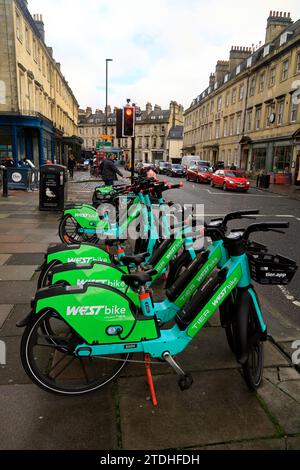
185 382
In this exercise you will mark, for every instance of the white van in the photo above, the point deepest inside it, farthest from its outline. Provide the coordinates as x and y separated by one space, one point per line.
190 160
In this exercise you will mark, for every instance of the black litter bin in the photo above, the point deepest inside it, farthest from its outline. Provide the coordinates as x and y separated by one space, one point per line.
53 187
265 181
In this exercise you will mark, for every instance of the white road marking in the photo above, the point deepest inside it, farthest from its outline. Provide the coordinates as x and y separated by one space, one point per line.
222 193
289 296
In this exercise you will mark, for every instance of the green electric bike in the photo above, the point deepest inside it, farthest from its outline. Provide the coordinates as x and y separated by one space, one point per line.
95 328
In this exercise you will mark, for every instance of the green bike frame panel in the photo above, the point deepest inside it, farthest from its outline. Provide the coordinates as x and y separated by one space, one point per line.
101 315
84 254
87 217
204 272
230 283
104 189
98 274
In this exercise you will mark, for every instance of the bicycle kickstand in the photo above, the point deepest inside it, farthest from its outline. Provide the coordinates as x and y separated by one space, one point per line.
150 379
185 380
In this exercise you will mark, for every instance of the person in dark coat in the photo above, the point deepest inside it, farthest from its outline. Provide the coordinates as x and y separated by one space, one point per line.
110 171
71 164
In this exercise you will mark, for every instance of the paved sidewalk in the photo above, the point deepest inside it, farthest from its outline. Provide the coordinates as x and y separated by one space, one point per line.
217 412
286 190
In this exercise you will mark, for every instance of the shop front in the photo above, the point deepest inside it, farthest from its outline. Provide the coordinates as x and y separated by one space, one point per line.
275 158
29 137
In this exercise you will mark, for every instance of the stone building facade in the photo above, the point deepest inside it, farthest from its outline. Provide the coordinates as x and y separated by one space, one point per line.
249 114
152 131
38 110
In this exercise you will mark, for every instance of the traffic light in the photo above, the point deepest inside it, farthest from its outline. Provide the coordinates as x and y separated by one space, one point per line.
128 121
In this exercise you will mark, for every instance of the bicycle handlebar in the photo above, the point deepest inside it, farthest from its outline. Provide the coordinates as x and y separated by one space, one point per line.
264 227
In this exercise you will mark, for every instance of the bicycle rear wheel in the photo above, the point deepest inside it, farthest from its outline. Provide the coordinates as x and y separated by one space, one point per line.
50 361
68 231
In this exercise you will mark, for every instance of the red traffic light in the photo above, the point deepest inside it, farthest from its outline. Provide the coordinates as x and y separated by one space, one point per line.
128 121
129 112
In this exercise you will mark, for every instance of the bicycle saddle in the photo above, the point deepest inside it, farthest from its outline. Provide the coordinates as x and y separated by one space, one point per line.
138 279
134 259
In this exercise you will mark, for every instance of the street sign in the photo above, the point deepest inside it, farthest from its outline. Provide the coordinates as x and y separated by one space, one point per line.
100 144
106 137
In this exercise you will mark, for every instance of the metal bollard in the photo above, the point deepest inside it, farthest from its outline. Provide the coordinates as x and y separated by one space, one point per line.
4 182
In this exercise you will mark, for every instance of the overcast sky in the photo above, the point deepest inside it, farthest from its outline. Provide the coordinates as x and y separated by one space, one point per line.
162 50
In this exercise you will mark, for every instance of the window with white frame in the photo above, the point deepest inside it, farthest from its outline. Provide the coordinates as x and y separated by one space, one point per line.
257 118
294 111
252 86
233 99
272 76
262 81
249 120
227 100
241 92
225 127
219 103
280 112
285 70
217 129
269 111
231 125
238 123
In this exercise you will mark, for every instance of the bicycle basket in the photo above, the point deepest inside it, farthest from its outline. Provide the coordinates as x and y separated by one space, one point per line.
271 269
254 247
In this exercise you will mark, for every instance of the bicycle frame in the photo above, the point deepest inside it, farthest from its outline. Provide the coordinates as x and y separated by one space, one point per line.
176 340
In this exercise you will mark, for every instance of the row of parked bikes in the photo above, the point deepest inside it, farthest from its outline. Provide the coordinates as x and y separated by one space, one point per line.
94 309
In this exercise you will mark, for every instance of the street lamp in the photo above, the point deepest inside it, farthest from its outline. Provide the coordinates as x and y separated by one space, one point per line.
106 60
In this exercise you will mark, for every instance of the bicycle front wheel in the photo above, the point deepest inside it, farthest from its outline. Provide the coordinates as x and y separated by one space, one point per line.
253 367
50 362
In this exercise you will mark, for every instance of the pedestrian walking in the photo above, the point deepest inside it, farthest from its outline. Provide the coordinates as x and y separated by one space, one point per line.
110 171
152 174
71 164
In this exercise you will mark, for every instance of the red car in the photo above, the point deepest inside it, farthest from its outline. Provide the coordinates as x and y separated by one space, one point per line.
199 174
230 179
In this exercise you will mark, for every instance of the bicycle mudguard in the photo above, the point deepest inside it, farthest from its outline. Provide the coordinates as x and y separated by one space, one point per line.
82 254
99 314
87 217
96 273
244 302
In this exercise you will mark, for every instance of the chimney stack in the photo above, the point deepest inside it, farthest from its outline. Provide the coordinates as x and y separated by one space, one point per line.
237 55
276 23
148 108
38 19
212 80
222 68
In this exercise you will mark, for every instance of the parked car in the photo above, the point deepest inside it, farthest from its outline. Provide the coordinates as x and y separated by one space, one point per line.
203 163
143 168
162 167
175 169
230 179
198 174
